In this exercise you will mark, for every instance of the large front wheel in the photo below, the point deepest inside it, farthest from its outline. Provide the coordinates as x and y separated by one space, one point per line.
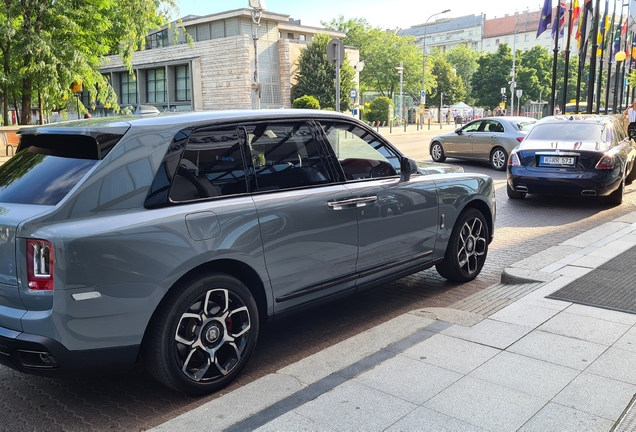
203 335
467 248
437 152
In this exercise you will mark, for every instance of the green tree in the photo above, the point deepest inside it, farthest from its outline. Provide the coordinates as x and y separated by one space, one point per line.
382 53
447 81
379 109
48 44
492 74
464 61
316 76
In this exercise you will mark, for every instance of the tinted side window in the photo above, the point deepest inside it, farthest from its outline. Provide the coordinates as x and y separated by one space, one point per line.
361 154
493 126
286 155
211 166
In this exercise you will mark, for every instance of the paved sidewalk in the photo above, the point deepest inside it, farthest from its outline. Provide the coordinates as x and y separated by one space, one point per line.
504 359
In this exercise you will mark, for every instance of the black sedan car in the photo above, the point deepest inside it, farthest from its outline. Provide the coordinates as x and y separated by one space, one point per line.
573 155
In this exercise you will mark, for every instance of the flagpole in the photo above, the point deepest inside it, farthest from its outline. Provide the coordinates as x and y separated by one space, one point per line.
554 61
566 73
591 84
602 32
615 98
582 54
609 61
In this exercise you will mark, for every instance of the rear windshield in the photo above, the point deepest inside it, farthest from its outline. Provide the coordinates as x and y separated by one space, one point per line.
525 125
568 131
31 178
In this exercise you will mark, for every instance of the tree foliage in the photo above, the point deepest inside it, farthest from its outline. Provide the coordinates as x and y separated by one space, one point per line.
447 81
378 109
47 44
316 76
382 53
464 61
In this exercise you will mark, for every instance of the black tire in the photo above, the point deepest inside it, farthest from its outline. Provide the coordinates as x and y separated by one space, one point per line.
513 194
203 334
498 159
632 174
616 197
467 248
437 152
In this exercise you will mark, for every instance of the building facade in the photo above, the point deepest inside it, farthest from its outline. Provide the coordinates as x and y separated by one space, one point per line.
446 33
217 70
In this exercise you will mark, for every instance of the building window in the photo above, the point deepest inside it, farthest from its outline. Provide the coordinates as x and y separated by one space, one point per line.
302 37
128 89
496 42
156 85
526 38
516 38
182 78
488 42
290 36
157 40
506 39
280 35
470 33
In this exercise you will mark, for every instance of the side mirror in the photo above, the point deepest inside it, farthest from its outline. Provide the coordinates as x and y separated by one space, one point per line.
408 167
458 131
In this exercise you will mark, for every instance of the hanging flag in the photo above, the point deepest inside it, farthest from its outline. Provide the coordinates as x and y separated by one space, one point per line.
633 50
603 29
585 25
617 42
546 17
561 15
624 28
576 10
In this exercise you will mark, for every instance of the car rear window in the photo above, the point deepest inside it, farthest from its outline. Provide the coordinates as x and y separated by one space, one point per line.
569 131
48 166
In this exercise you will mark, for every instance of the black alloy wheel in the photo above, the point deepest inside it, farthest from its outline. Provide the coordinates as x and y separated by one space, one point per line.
203 335
467 248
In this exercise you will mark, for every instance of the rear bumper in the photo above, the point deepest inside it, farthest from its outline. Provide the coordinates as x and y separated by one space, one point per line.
570 184
37 355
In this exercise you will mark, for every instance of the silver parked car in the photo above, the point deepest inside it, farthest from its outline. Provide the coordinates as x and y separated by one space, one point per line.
489 139
171 239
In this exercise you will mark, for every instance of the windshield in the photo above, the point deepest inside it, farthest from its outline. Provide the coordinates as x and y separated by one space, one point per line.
525 125
30 178
570 131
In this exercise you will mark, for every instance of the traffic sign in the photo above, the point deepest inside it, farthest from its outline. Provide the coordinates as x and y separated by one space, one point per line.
423 93
353 93
335 51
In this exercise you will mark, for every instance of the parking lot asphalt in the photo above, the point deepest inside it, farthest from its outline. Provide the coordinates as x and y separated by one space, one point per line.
507 358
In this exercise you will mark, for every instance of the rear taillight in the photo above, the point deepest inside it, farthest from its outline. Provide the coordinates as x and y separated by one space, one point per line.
513 160
40 265
606 162
520 138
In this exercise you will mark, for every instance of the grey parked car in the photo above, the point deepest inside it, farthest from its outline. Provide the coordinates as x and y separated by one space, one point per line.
489 139
170 239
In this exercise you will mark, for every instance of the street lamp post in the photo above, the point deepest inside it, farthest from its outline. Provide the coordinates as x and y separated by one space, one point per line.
423 93
401 72
257 7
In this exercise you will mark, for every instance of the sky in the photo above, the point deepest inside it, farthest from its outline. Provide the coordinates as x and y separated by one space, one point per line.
388 14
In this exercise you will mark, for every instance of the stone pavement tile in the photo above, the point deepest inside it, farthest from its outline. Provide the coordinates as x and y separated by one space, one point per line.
546 257
427 420
584 327
603 314
486 405
489 332
596 234
555 417
293 422
234 406
451 353
617 364
524 314
573 271
408 379
353 406
561 350
524 374
550 287
597 395
612 249
338 356
591 261
541 301
628 341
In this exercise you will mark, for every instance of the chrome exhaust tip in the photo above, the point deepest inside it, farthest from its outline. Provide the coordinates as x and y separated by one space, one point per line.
523 189
588 192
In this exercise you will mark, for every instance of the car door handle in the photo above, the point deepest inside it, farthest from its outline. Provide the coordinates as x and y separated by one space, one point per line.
351 202
364 201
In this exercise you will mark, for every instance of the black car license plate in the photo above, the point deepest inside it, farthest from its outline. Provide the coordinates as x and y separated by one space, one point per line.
556 160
